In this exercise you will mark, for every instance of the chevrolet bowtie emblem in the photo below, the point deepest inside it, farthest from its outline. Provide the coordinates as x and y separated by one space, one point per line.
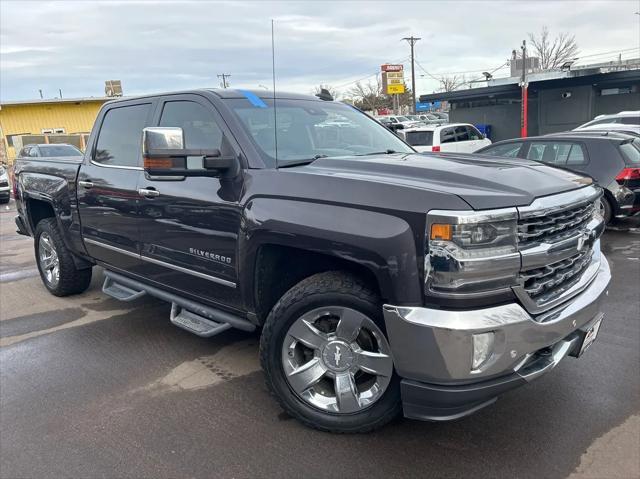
337 355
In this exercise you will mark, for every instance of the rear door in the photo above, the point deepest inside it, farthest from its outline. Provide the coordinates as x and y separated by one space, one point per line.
189 227
448 139
107 195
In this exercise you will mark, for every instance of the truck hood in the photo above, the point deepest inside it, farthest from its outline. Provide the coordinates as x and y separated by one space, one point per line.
483 182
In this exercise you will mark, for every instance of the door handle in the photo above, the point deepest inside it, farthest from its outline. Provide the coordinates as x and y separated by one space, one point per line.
148 192
86 184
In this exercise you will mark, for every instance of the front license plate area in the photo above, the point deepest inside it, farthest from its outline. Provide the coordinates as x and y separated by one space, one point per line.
588 337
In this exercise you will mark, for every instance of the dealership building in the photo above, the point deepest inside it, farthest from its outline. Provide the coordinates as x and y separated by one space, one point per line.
559 100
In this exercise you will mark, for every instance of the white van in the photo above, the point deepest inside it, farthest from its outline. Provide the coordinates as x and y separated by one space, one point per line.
454 137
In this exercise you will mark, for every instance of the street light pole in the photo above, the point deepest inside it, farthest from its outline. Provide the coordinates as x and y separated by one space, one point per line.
412 41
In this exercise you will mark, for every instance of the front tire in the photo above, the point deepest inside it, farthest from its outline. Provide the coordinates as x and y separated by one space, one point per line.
606 210
326 357
55 262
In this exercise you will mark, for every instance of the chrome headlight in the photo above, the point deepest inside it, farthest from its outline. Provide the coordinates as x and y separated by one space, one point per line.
471 253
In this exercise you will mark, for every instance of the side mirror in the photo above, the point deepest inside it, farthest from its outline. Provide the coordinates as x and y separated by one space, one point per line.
164 154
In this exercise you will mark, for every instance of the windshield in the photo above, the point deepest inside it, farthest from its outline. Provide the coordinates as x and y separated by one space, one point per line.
402 118
309 129
59 150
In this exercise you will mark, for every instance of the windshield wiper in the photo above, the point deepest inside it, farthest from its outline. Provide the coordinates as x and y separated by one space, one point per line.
306 161
385 152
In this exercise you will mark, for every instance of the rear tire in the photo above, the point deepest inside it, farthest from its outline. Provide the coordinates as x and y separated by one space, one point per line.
317 403
55 262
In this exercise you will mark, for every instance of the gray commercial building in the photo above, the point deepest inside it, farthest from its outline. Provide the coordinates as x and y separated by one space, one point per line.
558 100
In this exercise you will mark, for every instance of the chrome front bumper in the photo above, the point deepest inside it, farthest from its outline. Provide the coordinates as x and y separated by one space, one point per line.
435 346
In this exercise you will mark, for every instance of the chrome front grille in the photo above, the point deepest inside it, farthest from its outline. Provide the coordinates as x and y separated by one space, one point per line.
549 282
559 247
554 226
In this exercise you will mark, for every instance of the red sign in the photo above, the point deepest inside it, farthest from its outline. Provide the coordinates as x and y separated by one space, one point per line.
391 68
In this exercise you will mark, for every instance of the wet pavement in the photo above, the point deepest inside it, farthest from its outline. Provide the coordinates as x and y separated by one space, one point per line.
91 387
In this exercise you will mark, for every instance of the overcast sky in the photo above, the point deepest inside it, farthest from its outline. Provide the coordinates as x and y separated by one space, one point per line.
151 47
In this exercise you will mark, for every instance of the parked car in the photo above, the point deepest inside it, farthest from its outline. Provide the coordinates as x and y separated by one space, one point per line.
5 189
617 127
624 118
381 282
612 159
400 120
440 114
49 150
427 119
455 137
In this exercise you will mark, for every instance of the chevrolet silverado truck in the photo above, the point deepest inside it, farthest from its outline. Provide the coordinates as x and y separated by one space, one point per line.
382 280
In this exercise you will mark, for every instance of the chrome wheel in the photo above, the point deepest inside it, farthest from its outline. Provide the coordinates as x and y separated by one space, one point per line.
337 359
49 261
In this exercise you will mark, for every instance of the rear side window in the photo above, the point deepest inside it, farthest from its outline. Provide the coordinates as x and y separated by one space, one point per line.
120 137
508 149
462 134
447 135
420 138
630 120
631 152
557 153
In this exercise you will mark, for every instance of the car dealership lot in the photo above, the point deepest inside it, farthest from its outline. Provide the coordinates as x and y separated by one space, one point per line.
91 387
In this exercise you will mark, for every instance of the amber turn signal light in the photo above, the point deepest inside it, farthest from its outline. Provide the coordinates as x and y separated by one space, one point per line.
159 163
441 232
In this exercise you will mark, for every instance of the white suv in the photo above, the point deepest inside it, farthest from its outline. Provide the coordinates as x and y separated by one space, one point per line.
624 118
455 137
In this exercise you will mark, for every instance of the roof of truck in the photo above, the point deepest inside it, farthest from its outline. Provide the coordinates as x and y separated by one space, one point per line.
228 93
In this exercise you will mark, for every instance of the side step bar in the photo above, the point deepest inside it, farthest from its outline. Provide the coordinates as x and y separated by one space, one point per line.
197 318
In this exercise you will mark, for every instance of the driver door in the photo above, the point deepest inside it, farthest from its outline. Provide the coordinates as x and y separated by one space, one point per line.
189 225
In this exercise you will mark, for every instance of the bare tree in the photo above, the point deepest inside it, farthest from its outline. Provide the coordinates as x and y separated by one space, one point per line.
451 83
368 94
553 52
334 93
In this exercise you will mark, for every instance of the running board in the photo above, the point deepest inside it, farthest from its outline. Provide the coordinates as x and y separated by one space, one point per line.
120 291
196 324
195 317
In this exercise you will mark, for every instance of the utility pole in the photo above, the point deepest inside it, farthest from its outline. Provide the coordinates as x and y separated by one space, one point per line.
525 93
412 41
224 77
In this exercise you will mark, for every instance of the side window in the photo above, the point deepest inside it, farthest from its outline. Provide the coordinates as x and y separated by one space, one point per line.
447 135
120 137
576 156
630 120
474 134
462 134
508 149
552 153
198 124
33 152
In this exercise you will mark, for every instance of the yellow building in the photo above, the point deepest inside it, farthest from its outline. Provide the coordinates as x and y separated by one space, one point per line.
46 121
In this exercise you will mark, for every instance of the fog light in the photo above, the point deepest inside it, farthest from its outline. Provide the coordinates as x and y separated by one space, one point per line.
482 348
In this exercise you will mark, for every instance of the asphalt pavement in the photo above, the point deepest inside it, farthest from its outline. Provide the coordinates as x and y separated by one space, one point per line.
92 387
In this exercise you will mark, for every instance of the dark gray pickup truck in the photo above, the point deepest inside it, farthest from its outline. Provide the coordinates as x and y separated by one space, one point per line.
382 280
